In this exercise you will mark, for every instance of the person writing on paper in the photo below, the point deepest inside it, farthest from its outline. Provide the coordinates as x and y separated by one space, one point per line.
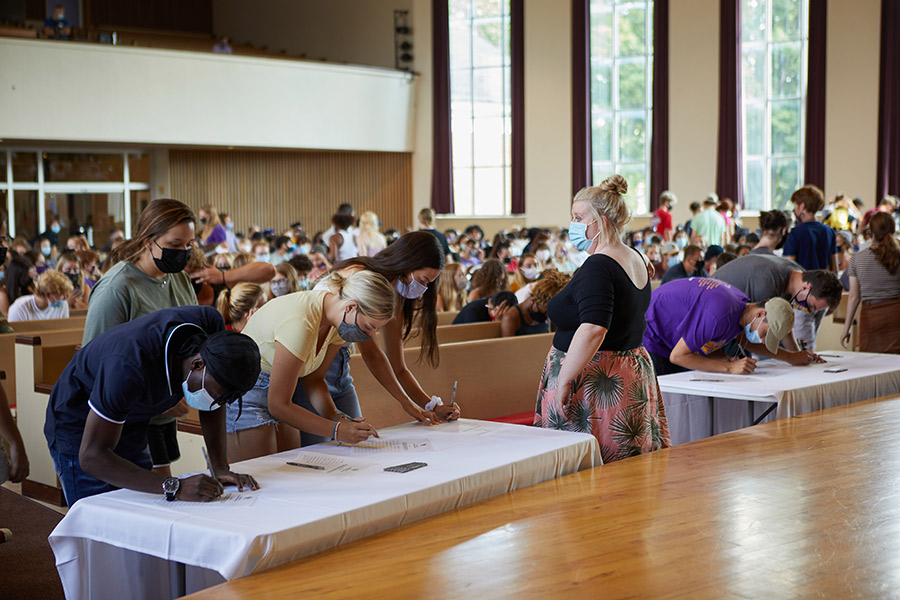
99 409
690 320
299 335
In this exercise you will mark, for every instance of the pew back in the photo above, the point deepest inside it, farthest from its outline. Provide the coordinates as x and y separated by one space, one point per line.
450 334
446 318
497 377
8 345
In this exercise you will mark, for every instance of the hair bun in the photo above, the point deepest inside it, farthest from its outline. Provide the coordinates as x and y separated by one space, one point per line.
615 183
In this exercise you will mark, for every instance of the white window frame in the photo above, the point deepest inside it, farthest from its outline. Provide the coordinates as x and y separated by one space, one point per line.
66 187
506 118
769 156
614 166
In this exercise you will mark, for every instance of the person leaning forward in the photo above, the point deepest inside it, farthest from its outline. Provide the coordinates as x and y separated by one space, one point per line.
97 417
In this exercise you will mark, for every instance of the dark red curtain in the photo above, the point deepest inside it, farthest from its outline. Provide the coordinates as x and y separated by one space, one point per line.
442 149
814 148
659 141
888 179
517 85
581 95
729 179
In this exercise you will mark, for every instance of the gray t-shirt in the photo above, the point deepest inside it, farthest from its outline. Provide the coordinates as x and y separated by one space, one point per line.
126 293
760 276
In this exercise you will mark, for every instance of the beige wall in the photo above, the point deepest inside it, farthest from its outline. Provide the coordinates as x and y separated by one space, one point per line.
851 101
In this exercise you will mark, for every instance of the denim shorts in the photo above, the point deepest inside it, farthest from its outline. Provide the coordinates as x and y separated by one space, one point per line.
77 484
254 408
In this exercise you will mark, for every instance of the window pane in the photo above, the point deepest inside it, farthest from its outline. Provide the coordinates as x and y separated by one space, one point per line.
632 31
601 137
462 143
489 192
3 171
139 168
632 129
636 176
488 89
24 166
94 215
602 170
460 85
459 9
462 191
83 167
755 184
139 201
601 86
753 20
785 179
488 8
754 67
488 47
786 127
488 142
25 204
755 133
786 70
632 84
460 45
601 35
786 19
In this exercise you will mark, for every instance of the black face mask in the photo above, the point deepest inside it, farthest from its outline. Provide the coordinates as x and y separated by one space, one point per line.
203 221
2 255
172 261
73 277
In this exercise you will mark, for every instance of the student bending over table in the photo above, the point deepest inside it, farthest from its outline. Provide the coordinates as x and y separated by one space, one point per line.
99 409
690 320
299 335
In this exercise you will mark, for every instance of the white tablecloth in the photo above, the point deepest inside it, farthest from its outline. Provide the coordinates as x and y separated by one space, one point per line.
795 390
128 544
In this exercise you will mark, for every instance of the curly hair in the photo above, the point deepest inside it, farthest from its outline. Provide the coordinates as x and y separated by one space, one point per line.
550 284
490 278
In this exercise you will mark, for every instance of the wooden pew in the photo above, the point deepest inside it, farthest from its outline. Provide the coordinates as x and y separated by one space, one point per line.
497 377
446 318
450 334
8 344
40 359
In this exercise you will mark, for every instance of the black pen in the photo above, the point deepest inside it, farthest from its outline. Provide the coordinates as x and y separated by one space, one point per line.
453 397
306 466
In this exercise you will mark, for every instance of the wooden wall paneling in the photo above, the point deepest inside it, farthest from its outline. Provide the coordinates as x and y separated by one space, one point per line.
273 189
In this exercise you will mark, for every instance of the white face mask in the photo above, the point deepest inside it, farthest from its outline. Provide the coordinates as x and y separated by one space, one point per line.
543 255
411 290
530 272
201 399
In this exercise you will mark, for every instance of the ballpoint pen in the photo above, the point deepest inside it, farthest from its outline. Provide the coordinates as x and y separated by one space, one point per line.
306 466
453 397
209 466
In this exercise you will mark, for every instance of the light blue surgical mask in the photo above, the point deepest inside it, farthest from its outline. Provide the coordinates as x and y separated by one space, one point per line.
201 399
55 228
752 335
578 235
673 260
45 250
681 242
58 304
411 290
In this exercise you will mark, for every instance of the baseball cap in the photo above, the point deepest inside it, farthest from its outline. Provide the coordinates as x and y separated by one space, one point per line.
780 317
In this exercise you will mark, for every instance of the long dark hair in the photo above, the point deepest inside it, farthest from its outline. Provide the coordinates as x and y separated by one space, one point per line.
885 248
160 216
416 250
17 278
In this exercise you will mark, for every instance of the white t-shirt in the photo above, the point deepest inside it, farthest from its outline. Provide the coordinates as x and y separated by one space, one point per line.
26 309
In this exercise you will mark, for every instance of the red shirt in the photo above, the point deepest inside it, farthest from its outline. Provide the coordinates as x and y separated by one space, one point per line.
665 221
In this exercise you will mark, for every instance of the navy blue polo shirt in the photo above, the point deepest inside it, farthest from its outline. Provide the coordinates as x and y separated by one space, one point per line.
812 243
125 375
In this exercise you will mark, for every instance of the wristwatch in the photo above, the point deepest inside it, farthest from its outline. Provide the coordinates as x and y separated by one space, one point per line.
170 487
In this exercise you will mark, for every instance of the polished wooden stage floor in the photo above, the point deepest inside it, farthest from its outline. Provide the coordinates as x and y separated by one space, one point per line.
801 507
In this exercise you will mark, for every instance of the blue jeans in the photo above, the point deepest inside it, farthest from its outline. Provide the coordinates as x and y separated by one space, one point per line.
255 405
77 484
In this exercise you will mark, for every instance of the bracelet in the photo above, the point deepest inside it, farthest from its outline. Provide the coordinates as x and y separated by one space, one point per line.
433 403
334 432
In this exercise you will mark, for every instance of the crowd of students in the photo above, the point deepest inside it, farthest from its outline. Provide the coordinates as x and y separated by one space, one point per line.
295 302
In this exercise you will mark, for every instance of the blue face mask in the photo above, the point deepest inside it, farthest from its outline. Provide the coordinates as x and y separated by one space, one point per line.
45 250
57 304
201 399
578 235
681 242
752 335
673 260
54 228
411 290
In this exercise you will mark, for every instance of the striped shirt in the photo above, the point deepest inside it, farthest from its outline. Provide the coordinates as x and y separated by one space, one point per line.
875 283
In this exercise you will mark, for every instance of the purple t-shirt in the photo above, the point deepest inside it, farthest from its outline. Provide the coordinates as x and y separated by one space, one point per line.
705 312
216 236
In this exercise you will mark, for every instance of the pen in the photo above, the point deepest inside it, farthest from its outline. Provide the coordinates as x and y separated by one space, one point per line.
453 397
306 466
209 466
707 380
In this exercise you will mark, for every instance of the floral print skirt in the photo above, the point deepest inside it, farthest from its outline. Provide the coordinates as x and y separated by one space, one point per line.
615 398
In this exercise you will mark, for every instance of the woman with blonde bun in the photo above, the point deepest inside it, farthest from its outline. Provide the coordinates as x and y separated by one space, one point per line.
238 304
598 378
299 335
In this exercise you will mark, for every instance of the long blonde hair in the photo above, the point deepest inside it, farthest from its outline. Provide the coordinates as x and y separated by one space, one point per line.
369 237
234 304
211 221
452 298
606 201
374 295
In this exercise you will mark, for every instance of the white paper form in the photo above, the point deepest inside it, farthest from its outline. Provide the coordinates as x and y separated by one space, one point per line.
373 445
330 463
